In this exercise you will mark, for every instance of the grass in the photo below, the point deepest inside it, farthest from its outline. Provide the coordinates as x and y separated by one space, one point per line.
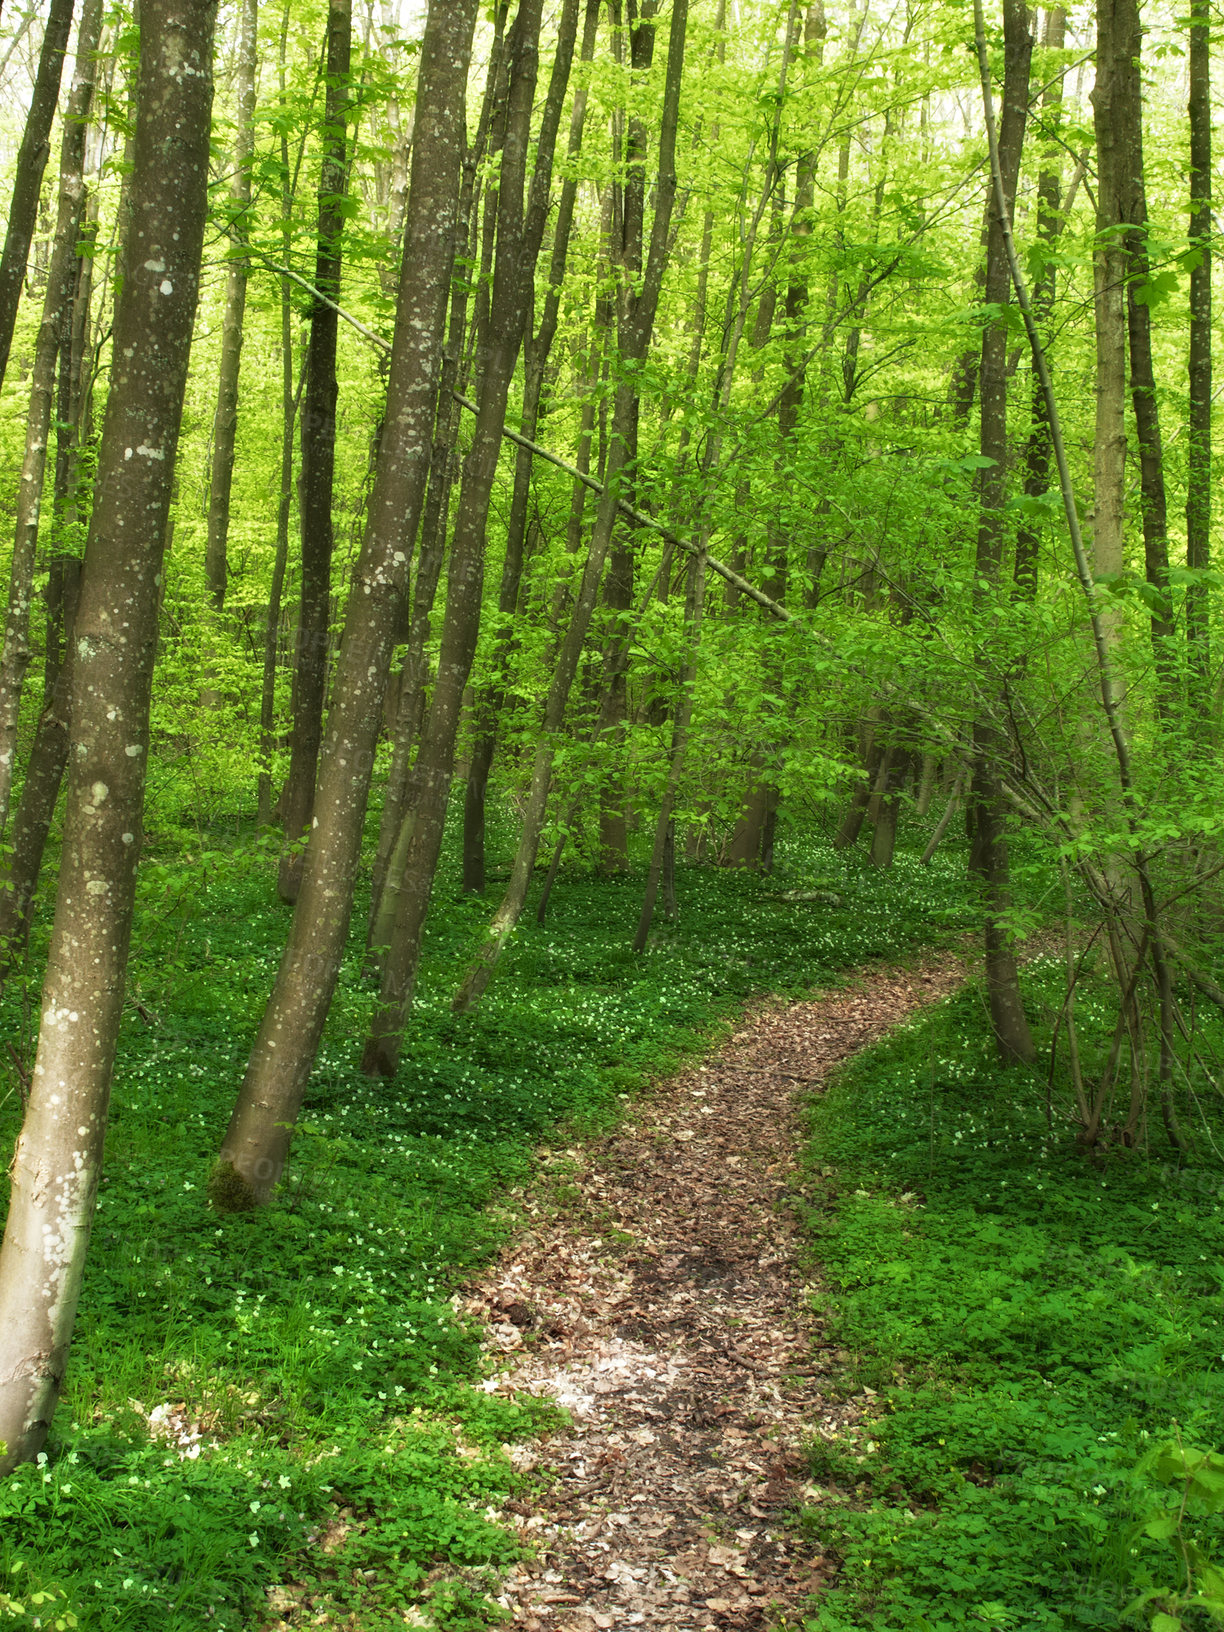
241 1388
1044 1336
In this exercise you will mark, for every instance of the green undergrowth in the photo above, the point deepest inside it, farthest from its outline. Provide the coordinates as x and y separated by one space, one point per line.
243 1387
1042 1335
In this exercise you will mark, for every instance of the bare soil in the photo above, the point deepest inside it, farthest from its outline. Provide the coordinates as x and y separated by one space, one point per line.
659 1293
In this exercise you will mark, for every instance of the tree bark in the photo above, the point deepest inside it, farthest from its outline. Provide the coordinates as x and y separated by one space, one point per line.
31 162
1198 450
639 311
56 1164
536 353
1049 227
48 755
256 1145
225 421
1121 39
665 829
407 696
318 461
990 850
57 301
284 509
514 271
1109 303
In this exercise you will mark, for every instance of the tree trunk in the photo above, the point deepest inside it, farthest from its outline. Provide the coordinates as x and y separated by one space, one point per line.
629 213
1109 283
256 1145
639 325
537 350
1049 226
1198 450
318 461
1121 39
665 830
513 276
31 162
56 1164
407 696
225 422
284 509
48 755
990 853
57 303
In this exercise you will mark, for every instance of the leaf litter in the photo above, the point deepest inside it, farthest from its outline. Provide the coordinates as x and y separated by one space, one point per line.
659 1295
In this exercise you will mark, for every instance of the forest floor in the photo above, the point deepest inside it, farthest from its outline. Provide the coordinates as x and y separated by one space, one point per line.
659 1294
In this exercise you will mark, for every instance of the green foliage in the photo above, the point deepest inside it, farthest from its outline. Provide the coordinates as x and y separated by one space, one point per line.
1031 1322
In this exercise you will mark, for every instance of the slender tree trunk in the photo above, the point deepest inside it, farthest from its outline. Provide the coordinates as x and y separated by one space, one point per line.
1122 38
31 162
665 829
256 1144
48 755
56 1165
318 461
407 700
536 353
1198 452
57 303
990 850
514 273
284 508
637 333
1109 283
629 213
1037 452
225 422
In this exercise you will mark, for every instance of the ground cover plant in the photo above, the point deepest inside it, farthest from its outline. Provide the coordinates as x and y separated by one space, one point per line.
242 1383
1043 1336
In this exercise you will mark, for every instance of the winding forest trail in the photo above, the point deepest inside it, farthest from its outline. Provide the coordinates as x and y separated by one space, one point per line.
662 1279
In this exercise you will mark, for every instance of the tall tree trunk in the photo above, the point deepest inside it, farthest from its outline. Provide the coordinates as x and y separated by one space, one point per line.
639 327
1049 226
318 461
761 801
225 421
284 509
1198 452
536 353
48 755
56 1165
256 1145
990 849
57 303
31 162
629 213
514 271
407 694
1122 38
1109 303
665 828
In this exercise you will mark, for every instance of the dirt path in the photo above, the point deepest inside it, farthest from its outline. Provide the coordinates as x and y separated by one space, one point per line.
660 1294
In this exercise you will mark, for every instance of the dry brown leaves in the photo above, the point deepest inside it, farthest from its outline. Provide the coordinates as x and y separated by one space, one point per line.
657 1294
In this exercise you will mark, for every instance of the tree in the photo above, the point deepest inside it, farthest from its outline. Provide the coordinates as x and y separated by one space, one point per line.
318 427
31 162
225 421
56 1165
256 1144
